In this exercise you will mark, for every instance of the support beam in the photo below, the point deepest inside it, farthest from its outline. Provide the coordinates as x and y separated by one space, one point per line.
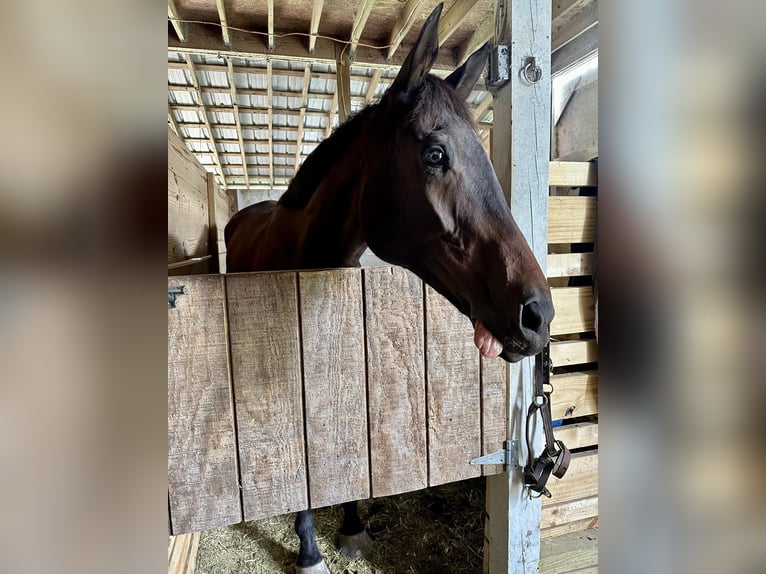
374 81
233 89
480 36
343 85
178 26
271 24
483 106
360 21
578 17
174 121
453 18
269 100
224 22
203 40
521 152
316 16
302 116
203 113
331 115
407 18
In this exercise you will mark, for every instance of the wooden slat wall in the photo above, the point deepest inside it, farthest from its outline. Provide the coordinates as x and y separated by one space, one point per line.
202 456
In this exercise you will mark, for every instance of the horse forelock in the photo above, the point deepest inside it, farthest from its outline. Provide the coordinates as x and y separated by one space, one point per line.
435 104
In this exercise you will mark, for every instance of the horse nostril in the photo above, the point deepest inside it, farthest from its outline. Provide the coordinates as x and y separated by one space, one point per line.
532 316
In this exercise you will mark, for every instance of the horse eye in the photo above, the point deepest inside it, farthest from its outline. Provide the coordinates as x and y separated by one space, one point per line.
434 156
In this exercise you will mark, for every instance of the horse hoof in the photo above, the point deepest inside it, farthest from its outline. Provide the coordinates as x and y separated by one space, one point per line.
319 568
355 545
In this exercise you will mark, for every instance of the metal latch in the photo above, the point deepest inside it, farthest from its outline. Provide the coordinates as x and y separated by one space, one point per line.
173 292
509 456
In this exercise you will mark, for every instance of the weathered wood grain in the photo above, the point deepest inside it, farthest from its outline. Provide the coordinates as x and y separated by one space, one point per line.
574 310
575 395
494 409
266 368
567 527
571 219
202 458
572 174
454 392
572 511
182 553
580 481
567 353
569 264
578 435
396 380
334 386
570 552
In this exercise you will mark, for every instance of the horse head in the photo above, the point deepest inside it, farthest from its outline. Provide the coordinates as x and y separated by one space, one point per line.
440 211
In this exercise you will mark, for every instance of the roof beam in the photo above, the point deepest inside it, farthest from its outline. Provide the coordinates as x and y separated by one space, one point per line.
178 26
302 116
224 22
269 99
374 81
406 19
480 36
316 15
453 18
173 121
360 21
203 40
572 19
271 25
233 87
203 113
343 86
483 106
331 115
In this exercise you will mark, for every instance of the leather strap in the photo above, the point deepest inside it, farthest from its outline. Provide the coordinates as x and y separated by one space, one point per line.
556 457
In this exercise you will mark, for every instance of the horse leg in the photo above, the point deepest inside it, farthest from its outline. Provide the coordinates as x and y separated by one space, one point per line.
354 541
310 560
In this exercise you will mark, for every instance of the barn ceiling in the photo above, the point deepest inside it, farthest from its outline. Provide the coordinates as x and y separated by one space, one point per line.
252 85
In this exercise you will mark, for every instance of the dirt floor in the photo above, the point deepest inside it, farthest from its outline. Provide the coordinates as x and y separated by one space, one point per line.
435 531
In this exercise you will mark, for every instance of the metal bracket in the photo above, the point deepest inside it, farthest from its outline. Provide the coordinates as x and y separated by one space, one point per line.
173 292
499 66
509 456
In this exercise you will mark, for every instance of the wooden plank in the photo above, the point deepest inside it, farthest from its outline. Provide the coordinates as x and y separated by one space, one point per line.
494 409
316 16
572 511
266 367
202 456
579 17
478 38
182 553
270 23
574 310
569 552
372 86
580 481
452 18
576 395
454 397
363 10
569 264
567 527
212 224
404 22
343 85
396 380
572 219
573 174
578 435
567 353
187 203
334 386
179 27
224 22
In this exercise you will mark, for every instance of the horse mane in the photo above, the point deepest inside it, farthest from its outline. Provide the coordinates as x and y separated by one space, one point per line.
321 160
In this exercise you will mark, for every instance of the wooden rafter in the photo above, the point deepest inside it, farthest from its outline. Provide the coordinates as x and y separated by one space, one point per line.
316 15
224 22
403 24
480 36
483 106
302 116
233 88
269 112
203 113
173 121
343 86
331 115
360 21
450 21
262 71
178 26
374 81
271 25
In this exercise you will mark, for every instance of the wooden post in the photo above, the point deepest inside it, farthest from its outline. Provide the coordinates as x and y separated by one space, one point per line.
212 225
520 153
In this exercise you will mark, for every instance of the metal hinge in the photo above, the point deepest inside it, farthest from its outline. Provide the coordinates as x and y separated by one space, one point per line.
509 456
174 292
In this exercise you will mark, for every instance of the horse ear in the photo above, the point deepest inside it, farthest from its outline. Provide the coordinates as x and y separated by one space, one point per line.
422 56
465 77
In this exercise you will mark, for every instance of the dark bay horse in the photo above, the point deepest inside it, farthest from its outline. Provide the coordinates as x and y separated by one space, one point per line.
409 178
